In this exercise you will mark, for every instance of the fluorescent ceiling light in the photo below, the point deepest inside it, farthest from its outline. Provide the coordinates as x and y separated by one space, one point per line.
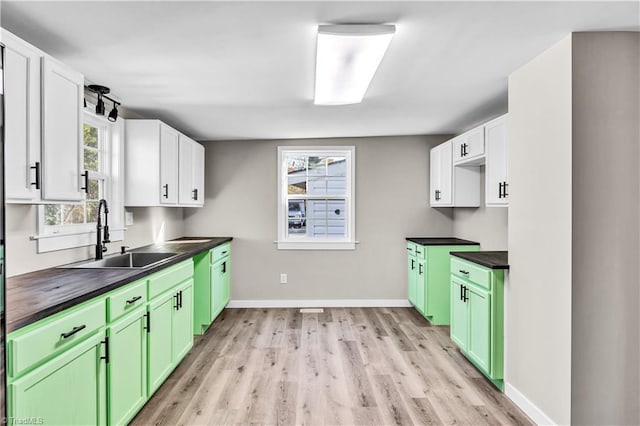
347 58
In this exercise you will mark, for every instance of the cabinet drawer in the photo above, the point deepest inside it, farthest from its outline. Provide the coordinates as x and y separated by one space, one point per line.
52 335
170 277
126 300
411 249
472 272
221 251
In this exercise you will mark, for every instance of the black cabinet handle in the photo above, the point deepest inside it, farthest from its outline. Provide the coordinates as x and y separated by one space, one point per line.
224 267
86 181
500 190
463 272
133 300
504 189
180 299
148 327
166 190
465 297
106 350
461 150
73 331
465 149
195 194
37 176
461 292
420 268
413 264
177 305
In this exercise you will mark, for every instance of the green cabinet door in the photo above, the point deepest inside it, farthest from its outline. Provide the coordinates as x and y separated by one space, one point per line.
68 390
159 340
127 369
412 276
459 315
182 322
479 327
226 282
421 285
217 289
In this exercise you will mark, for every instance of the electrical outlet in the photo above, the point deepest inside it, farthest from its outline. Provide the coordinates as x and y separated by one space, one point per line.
283 278
128 218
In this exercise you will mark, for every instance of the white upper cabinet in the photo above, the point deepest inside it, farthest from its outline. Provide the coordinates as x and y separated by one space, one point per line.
169 143
43 107
191 172
22 120
62 104
469 147
452 186
496 182
160 169
440 194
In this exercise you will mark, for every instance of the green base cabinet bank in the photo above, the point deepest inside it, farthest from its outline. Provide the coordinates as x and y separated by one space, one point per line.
213 285
477 310
99 362
428 272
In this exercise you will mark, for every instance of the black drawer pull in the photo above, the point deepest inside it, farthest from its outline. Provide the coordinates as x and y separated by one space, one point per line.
223 253
463 272
85 175
166 190
133 300
73 331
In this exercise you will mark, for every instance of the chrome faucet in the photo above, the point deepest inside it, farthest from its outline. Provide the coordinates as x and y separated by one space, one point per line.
100 248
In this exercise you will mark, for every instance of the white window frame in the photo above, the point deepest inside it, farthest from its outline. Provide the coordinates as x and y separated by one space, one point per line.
300 242
51 238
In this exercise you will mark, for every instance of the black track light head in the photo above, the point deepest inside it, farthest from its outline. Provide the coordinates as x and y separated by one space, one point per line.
100 91
100 106
113 115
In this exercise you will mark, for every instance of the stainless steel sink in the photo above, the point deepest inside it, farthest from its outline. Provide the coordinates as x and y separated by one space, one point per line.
126 261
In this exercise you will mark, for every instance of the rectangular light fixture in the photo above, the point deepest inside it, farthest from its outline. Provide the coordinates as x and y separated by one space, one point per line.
347 58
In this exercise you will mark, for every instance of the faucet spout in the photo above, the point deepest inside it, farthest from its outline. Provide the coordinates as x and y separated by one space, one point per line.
100 248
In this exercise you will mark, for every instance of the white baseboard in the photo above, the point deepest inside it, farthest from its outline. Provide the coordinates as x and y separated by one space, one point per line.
530 409
330 303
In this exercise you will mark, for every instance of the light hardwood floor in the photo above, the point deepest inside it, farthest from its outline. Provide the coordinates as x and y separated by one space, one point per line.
346 366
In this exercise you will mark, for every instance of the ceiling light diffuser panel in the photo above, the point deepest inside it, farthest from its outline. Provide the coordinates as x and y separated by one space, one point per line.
347 59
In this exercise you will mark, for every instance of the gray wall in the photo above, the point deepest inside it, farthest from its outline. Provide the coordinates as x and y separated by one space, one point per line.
486 225
391 203
21 224
605 321
538 316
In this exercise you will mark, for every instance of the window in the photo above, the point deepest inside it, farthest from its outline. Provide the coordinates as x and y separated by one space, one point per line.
316 191
73 225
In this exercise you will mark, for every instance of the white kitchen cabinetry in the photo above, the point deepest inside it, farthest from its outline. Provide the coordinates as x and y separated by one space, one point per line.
154 172
191 169
496 183
452 186
469 147
62 104
22 120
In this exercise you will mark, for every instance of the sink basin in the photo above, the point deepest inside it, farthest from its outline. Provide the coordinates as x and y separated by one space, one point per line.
127 261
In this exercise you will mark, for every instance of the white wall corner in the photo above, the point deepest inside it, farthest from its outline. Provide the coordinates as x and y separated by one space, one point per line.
530 409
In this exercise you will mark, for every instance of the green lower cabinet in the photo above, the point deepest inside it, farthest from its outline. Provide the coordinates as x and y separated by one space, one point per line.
182 322
477 318
75 378
160 342
127 368
459 315
412 277
211 287
428 273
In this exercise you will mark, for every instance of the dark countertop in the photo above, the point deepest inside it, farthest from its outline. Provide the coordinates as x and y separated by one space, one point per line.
36 295
489 259
441 241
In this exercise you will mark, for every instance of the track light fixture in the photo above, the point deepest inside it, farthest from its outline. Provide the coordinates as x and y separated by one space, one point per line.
113 115
102 91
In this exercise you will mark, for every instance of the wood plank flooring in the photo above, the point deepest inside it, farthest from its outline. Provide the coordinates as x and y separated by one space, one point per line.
345 366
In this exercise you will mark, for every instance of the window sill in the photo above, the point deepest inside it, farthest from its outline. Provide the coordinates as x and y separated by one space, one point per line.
63 241
316 245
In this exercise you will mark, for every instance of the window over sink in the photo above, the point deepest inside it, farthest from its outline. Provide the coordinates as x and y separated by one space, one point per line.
62 226
316 193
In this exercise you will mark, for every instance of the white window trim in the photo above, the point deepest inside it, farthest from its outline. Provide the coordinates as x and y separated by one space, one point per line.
304 243
72 236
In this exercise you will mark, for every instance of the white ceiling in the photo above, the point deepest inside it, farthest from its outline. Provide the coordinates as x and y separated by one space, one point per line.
245 70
